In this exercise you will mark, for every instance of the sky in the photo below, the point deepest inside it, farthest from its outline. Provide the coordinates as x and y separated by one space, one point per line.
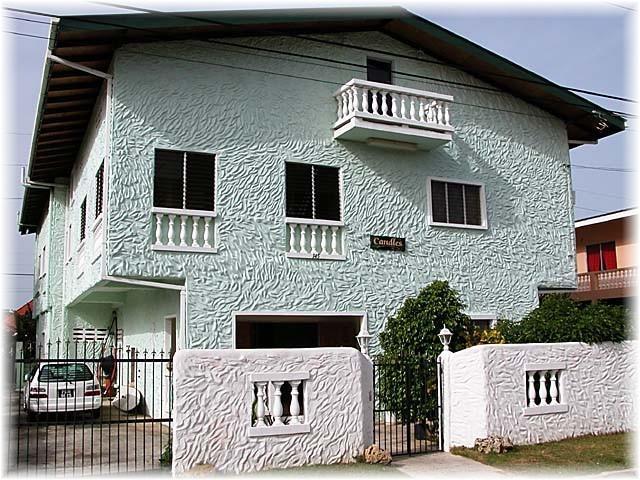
585 46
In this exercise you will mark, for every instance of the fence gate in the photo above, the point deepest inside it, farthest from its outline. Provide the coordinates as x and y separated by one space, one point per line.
73 413
406 406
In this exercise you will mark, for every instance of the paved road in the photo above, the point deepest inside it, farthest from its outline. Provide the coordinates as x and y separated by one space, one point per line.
441 465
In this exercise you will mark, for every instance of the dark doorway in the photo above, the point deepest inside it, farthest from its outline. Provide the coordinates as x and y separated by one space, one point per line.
379 71
284 335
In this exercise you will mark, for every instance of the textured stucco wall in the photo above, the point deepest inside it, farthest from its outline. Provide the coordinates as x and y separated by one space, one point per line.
256 121
212 409
598 386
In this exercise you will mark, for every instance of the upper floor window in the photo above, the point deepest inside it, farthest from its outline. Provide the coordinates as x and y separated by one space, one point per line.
184 180
601 256
313 191
457 204
83 219
378 71
99 189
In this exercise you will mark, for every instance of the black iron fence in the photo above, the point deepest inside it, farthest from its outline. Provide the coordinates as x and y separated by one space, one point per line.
83 408
406 408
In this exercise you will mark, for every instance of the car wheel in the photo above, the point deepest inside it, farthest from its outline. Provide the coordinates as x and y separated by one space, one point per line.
95 413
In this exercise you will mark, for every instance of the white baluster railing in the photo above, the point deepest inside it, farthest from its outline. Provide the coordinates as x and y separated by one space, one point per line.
183 230
625 277
269 413
392 104
544 389
315 239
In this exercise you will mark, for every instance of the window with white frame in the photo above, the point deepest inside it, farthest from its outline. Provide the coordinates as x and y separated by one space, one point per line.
83 219
67 245
184 180
456 203
313 191
99 190
43 262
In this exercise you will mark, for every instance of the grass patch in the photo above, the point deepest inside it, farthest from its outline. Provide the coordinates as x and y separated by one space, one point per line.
591 453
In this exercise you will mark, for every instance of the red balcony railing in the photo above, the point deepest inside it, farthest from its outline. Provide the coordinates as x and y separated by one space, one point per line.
618 279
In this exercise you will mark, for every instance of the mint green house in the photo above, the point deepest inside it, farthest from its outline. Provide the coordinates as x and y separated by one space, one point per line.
288 178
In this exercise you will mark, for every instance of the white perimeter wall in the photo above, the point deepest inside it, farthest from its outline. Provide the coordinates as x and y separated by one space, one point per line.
212 409
487 393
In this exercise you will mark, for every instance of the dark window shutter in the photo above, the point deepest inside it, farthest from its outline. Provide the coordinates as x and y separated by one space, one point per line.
472 204
327 193
167 179
438 202
99 189
454 203
83 219
378 71
200 181
298 190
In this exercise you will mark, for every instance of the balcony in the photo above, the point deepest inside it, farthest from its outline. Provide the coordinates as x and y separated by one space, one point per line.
618 283
183 230
315 239
388 115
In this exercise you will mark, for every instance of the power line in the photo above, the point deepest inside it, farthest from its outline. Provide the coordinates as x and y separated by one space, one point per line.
19 274
601 194
157 34
604 169
26 35
27 20
621 6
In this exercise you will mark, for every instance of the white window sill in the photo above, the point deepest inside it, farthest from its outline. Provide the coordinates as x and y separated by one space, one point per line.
279 430
317 256
458 225
546 409
179 249
97 223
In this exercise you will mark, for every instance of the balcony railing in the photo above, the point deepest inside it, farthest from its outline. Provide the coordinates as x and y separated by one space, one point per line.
608 279
316 239
377 111
182 230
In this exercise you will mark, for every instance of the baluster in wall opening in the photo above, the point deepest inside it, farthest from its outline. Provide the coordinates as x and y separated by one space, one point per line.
374 101
313 239
365 99
439 113
553 391
543 387
383 99
531 392
323 240
334 240
277 403
412 107
394 105
292 237
207 220
421 110
446 115
339 100
403 107
171 233
260 396
303 239
294 409
430 110
183 230
194 231
356 96
158 228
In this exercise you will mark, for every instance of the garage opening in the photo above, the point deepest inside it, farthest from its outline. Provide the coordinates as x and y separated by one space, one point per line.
297 331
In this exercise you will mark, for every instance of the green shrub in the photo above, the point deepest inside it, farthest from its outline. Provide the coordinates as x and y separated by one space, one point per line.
560 319
167 456
406 373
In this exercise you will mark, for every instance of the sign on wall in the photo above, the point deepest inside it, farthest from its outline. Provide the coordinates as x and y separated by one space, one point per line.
379 242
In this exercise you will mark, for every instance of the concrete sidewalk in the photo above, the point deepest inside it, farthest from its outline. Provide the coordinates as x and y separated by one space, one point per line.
441 464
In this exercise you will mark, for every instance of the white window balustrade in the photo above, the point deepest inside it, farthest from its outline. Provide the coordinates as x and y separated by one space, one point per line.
277 404
315 239
544 388
183 230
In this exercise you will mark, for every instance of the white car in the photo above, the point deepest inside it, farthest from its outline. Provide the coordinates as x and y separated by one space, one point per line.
61 387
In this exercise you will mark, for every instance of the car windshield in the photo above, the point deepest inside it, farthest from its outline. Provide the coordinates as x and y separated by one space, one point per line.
68 372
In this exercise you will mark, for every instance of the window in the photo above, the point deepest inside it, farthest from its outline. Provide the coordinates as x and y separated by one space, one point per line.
378 71
170 336
67 245
313 191
456 204
43 262
83 219
601 256
184 180
99 189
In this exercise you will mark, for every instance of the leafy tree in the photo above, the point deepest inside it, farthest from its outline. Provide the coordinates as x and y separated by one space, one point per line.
407 369
560 319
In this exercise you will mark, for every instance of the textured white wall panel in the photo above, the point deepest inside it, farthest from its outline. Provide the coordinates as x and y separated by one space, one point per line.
597 384
212 415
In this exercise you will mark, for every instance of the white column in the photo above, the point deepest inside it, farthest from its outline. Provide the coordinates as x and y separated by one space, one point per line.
183 230
323 240
403 108
170 233
294 409
313 239
394 105
334 240
356 93
339 112
303 239
374 101
412 107
260 404
292 237
345 104
277 403
543 387
421 110
554 388
531 392
446 115
158 229
194 231
439 113
365 99
384 103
